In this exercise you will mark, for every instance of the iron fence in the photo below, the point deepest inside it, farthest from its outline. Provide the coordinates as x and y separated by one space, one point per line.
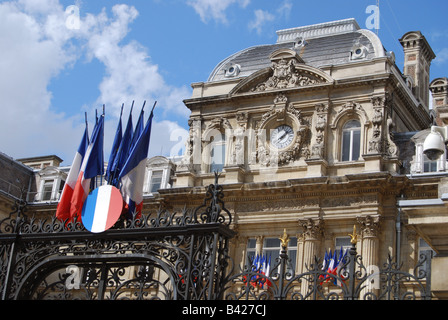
175 256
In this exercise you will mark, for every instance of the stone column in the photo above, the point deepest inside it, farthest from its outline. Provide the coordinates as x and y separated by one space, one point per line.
370 227
312 235
259 245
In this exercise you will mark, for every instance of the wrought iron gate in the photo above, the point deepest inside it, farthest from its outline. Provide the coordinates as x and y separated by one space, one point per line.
174 256
351 281
180 255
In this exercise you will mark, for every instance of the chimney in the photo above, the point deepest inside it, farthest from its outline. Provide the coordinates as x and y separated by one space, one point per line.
417 61
439 91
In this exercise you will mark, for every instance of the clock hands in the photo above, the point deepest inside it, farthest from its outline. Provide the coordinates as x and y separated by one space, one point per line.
281 135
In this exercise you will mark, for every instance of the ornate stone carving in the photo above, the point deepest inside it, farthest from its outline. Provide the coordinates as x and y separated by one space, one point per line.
262 205
312 229
242 118
381 142
350 108
370 226
375 143
218 123
318 149
238 150
194 138
287 71
279 113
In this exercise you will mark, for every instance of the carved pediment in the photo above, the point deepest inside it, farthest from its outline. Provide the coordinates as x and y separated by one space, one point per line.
287 71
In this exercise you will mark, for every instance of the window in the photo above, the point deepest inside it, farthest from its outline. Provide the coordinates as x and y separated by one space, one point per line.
156 180
271 249
217 156
251 248
429 165
47 190
61 187
351 141
342 242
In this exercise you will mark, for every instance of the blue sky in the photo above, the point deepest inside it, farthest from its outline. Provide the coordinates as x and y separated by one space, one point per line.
153 50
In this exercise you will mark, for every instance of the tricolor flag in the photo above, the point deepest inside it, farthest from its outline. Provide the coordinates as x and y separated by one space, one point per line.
342 255
265 270
115 146
138 128
102 208
332 264
63 209
132 175
92 166
123 151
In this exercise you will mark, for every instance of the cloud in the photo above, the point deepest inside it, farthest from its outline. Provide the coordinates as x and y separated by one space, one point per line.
32 57
261 17
40 47
441 56
130 74
285 9
214 9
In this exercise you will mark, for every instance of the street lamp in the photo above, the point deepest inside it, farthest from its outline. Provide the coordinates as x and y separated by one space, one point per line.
435 143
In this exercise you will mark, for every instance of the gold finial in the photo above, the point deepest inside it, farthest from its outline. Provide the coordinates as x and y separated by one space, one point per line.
284 239
354 236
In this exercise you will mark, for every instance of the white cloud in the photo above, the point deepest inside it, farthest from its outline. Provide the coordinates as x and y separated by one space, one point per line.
261 17
30 59
40 47
215 9
441 56
130 75
285 9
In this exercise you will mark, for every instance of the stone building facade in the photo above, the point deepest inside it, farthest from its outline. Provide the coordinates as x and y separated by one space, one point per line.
314 134
307 132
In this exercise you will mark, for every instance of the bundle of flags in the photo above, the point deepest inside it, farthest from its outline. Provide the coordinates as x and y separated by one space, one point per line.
260 265
332 264
126 167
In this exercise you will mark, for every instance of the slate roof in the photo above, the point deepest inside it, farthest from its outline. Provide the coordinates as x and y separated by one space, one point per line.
321 48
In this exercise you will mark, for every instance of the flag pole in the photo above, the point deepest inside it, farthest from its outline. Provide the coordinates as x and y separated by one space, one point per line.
153 106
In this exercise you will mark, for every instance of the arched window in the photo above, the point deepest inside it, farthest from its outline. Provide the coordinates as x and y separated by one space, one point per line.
351 141
217 153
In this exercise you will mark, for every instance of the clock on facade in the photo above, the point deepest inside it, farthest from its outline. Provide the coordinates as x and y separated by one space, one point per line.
282 136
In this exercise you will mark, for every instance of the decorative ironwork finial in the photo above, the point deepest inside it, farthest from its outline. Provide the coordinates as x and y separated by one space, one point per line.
212 209
284 239
354 236
217 175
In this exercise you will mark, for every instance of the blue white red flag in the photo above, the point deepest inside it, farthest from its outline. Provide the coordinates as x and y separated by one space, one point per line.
138 129
102 208
63 209
123 151
114 151
132 175
92 166
339 267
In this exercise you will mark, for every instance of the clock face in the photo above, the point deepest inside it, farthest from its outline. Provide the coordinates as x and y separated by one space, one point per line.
282 136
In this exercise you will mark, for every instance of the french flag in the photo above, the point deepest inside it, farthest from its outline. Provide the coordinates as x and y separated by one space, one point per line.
115 147
92 166
102 208
63 209
123 151
132 175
